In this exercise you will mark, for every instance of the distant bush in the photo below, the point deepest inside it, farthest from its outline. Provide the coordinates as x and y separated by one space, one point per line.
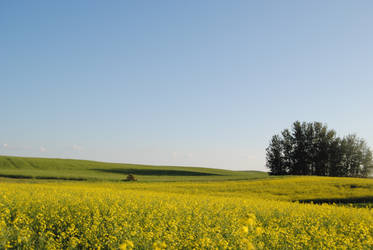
130 177
313 149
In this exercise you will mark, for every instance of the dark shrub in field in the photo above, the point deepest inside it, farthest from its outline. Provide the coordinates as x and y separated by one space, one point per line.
130 177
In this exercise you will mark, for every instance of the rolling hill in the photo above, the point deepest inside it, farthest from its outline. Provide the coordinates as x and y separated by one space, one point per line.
67 169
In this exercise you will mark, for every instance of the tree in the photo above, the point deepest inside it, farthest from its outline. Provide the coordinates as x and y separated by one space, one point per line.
313 149
356 156
275 158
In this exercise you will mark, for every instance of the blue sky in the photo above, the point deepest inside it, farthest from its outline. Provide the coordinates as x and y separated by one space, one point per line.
198 83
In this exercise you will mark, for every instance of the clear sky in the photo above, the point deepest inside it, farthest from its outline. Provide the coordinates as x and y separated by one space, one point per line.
196 83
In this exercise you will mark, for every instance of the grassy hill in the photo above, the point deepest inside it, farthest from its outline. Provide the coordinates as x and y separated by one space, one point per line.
66 169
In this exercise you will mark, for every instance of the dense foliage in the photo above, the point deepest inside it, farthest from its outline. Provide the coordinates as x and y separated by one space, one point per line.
68 215
313 149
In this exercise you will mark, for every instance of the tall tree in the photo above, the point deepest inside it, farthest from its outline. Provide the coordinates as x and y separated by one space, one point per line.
287 147
275 160
356 156
299 155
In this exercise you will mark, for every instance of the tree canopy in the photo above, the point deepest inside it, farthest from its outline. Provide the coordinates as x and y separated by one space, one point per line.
310 148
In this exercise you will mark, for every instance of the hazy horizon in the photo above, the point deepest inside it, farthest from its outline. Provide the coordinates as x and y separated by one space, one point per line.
203 84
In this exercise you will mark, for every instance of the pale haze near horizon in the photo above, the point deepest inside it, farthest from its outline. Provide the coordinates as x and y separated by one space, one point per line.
193 83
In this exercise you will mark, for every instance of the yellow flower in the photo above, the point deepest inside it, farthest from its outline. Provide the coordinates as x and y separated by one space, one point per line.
259 230
126 245
159 245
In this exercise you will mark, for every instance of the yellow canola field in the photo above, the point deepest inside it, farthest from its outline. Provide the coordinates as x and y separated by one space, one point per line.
112 216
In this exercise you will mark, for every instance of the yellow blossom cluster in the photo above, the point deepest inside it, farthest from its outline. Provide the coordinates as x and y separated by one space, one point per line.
125 216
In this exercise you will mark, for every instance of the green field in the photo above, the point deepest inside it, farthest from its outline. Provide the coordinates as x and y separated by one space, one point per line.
66 169
353 191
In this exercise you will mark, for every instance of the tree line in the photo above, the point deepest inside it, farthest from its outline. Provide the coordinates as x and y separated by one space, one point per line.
313 149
